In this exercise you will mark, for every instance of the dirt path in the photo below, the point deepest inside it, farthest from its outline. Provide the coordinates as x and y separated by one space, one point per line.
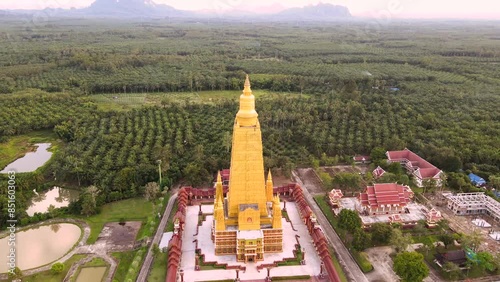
350 267
382 264
146 266
309 180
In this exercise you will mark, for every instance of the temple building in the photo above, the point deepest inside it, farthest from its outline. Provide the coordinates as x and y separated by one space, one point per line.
335 196
247 222
386 198
378 172
433 217
414 164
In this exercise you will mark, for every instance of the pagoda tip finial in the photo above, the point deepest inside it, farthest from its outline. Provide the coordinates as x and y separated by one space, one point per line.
269 176
247 81
219 178
247 89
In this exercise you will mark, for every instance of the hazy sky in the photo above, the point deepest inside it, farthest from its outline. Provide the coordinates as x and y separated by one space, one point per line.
477 9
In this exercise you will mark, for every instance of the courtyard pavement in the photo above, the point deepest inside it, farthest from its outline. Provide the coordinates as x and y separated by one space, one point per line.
312 266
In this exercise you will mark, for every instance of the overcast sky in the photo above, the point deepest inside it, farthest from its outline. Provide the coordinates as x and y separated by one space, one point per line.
477 9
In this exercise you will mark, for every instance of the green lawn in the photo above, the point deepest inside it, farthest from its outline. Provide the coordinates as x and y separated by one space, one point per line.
159 269
288 278
124 261
96 262
17 146
137 209
170 223
129 101
47 276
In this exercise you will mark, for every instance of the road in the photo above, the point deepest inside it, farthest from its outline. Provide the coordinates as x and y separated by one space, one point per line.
351 268
146 266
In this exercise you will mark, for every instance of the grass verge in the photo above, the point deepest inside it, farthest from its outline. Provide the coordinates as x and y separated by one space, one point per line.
158 271
48 276
124 261
288 278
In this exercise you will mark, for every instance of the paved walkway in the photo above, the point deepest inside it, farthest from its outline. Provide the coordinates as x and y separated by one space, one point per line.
349 265
146 266
312 266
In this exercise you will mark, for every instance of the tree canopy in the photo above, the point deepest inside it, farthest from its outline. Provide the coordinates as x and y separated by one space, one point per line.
349 220
410 267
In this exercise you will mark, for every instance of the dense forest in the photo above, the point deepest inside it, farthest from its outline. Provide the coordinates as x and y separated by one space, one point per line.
331 89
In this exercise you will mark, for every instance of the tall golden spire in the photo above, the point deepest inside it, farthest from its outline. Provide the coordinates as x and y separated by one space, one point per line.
247 182
277 213
247 91
269 187
247 116
219 219
219 192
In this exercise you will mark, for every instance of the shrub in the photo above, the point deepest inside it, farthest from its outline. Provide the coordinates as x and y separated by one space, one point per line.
57 267
363 262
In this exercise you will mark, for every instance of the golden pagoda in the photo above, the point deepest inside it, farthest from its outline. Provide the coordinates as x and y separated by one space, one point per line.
247 222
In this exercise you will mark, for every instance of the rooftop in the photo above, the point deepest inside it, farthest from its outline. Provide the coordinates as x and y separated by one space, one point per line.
416 212
426 169
385 194
250 234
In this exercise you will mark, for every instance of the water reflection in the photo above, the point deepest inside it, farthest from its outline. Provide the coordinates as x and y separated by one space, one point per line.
55 227
57 197
91 274
39 246
31 161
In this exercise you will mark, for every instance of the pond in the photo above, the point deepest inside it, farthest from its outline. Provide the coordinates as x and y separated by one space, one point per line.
93 274
31 161
40 246
58 197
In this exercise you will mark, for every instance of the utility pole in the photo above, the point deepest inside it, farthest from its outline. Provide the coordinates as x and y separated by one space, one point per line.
159 171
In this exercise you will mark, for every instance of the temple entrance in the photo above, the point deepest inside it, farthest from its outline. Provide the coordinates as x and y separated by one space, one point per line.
250 258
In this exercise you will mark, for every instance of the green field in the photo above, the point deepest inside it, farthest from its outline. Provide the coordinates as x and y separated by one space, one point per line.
128 101
137 209
124 261
158 271
129 264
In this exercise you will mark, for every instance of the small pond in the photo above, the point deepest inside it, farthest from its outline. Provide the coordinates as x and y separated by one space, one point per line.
58 197
31 161
94 274
41 245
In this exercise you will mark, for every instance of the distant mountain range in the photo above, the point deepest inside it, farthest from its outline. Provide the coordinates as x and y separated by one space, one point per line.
317 12
149 9
131 8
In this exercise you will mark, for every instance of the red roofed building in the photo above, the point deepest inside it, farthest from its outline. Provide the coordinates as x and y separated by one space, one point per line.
335 195
416 165
386 198
225 176
393 219
378 172
433 217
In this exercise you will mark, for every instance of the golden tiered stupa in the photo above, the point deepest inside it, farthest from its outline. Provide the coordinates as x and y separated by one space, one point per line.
247 222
